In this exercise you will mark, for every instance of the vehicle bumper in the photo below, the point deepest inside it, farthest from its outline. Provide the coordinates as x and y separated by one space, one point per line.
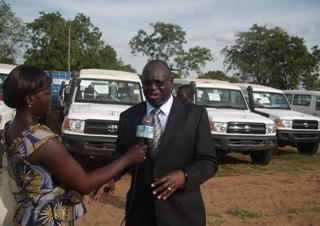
244 143
89 145
295 137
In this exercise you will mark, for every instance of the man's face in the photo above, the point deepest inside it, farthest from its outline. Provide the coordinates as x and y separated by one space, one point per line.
157 84
182 95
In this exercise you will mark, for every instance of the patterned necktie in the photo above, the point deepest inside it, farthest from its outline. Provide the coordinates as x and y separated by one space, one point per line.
155 142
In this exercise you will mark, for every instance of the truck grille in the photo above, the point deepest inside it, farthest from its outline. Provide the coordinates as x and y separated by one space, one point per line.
101 127
305 124
246 128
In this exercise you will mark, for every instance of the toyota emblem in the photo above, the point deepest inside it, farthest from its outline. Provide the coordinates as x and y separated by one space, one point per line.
247 128
305 125
113 128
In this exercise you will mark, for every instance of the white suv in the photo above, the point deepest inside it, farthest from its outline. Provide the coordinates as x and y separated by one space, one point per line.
304 101
293 128
6 114
96 99
233 127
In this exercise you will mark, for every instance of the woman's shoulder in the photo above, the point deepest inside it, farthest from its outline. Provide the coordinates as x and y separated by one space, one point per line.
39 132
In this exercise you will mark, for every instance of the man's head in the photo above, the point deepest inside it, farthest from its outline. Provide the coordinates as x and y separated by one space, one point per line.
157 82
185 93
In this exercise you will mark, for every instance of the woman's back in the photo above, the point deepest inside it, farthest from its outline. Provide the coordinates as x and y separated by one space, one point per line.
41 189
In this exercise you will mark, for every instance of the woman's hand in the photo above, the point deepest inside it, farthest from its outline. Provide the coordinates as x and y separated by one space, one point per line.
72 197
95 196
137 153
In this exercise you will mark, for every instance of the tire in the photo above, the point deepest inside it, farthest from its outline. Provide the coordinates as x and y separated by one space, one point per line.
275 150
262 157
308 148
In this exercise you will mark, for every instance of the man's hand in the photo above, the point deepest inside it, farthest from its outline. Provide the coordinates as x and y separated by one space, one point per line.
166 185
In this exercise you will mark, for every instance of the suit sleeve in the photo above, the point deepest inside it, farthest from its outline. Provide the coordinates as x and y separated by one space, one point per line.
205 164
121 146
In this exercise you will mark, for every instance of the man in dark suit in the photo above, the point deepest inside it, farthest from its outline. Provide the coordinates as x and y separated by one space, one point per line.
165 187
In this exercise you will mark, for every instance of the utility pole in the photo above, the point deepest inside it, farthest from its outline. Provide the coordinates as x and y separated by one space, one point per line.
69 45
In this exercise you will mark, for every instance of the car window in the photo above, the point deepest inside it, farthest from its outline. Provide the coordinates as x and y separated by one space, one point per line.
301 100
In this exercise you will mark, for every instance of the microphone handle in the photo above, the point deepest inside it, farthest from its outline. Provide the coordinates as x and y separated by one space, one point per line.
141 142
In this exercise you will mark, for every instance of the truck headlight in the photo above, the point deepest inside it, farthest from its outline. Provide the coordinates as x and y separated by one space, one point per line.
74 125
270 128
77 126
220 127
283 123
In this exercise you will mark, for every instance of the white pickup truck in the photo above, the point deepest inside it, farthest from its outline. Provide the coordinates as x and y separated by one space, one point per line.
95 101
6 114
233 127
293 128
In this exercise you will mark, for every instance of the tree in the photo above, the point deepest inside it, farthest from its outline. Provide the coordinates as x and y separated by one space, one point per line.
12 34
218 75
166 43
269 57
311 79
50 43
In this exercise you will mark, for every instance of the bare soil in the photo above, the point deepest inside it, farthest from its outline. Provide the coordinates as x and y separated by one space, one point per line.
241 194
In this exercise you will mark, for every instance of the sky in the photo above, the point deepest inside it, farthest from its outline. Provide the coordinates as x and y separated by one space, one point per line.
208 23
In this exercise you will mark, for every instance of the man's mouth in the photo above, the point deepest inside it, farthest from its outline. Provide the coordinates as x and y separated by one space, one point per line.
153 95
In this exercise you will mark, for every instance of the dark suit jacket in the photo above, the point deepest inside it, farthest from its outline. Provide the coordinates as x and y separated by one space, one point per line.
186 144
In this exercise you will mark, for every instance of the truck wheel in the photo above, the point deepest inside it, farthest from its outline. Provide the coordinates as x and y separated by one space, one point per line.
310 148
262 157
275 150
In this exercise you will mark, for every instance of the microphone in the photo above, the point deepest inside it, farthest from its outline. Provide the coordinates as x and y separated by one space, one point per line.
145 130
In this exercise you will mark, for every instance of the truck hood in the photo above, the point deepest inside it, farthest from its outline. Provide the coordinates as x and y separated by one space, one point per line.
84 111
227 115
287 114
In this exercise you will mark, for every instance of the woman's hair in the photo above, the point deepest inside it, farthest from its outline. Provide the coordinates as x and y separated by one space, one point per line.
22 81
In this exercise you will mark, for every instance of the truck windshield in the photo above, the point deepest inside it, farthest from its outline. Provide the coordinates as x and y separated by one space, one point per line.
220 98
270 100
2 78
105 91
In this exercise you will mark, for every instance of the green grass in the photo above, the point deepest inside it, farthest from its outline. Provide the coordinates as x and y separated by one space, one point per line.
286 162
292 210
215 219
243 213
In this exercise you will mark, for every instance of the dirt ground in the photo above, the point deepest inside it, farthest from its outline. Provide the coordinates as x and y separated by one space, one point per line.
269 195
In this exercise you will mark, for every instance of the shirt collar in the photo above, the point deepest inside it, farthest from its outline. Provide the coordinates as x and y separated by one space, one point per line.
165 108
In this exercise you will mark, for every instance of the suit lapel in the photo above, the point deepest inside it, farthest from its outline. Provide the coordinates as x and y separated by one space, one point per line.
139 114
176 117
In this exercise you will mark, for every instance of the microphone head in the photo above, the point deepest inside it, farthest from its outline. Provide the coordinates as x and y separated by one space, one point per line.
147 120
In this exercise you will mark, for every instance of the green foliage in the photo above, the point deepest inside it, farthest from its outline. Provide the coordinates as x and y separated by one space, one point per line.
12 34
166 43
52 37
272 57
312 76
218 75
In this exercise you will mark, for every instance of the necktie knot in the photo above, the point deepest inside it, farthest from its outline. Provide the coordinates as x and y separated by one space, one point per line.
156 111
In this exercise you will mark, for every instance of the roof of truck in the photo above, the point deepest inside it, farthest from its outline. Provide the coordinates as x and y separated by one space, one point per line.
258 88
108 74
6 68
206 83
307 92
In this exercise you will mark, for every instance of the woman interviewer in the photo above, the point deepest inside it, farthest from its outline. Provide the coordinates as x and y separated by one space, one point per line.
42 166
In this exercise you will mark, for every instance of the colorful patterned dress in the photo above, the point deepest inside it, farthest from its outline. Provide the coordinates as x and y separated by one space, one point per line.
40 204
